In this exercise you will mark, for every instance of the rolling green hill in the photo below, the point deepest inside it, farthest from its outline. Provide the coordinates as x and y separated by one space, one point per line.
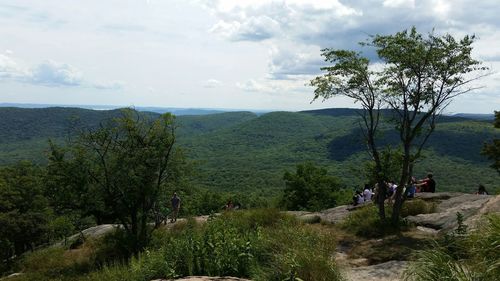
245 152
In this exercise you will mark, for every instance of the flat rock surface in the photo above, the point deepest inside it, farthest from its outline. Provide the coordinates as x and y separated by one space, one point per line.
471 206
387 271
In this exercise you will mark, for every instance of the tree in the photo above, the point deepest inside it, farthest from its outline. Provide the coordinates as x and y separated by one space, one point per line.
24 211
309 188
492 150
127 163
416 77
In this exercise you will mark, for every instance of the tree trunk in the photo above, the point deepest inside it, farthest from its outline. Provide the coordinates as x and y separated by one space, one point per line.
405 173
381 199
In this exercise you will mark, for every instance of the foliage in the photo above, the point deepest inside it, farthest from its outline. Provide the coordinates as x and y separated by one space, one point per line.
390 163
261 244
492 150
417 206
309 188
250 154
419 76
125 165
365 222
24 211
474 256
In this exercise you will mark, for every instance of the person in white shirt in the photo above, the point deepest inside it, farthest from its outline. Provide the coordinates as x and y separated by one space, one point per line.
367 193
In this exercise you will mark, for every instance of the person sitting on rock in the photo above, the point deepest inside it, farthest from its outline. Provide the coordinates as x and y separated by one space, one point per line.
367 193
229 205
428 184
481 190
357 199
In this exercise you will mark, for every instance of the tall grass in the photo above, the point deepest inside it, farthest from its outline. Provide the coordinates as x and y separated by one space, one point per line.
460 257
365 221
263 245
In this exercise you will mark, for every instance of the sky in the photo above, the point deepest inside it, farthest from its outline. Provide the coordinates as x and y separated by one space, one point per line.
226 54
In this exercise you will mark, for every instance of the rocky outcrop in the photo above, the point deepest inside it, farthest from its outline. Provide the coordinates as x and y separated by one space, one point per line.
471 206
448 204
387 271
332 215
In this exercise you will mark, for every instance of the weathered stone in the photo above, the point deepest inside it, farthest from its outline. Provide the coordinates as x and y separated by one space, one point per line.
309 218
387 271
471 206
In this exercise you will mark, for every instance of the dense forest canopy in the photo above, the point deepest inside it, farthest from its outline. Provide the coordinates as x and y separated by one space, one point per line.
238 151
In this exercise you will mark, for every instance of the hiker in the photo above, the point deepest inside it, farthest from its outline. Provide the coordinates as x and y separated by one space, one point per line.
176 205
367 193
391 191
229 205
412 188
358 199
481 190
428 184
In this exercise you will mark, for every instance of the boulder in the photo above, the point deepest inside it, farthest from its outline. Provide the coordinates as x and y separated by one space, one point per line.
387 271
471 206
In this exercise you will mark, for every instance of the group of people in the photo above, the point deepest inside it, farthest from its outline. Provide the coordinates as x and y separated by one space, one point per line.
368 194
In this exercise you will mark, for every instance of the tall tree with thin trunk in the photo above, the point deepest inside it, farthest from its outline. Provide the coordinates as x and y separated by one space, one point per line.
415 76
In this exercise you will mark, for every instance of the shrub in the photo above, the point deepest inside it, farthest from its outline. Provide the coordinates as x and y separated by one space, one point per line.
417 206
473 256
366 222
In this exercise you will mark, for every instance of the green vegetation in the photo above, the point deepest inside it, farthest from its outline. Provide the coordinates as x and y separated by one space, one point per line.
260 244
416 78
251 153
24 211
310 188
461 256
124 166
492 150
365 222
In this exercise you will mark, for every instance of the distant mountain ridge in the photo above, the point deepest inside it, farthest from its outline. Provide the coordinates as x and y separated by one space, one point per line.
248 151
156 109
207 111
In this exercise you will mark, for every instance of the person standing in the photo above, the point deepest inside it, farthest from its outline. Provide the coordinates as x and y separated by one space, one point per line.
176 205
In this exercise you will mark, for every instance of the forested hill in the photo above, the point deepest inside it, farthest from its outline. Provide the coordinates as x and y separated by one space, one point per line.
241 150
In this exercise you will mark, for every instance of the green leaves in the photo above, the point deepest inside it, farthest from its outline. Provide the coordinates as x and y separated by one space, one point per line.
310 188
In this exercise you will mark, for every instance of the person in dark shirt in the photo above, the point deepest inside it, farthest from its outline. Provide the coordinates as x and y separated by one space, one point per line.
428 184
176 205
481 190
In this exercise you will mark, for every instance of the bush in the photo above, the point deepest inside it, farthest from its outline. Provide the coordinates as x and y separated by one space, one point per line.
366 222
260 244
417 206
474 256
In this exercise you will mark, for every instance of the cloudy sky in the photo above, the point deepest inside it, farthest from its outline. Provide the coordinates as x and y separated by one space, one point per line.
239 54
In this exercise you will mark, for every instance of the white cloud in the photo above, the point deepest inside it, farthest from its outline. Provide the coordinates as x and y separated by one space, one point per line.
49 73
255 28
252 85
292 62
10 69
212 83
399 3
52 74
275 87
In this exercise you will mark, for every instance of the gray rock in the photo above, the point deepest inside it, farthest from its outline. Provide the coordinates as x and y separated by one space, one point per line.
387 271
471 206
